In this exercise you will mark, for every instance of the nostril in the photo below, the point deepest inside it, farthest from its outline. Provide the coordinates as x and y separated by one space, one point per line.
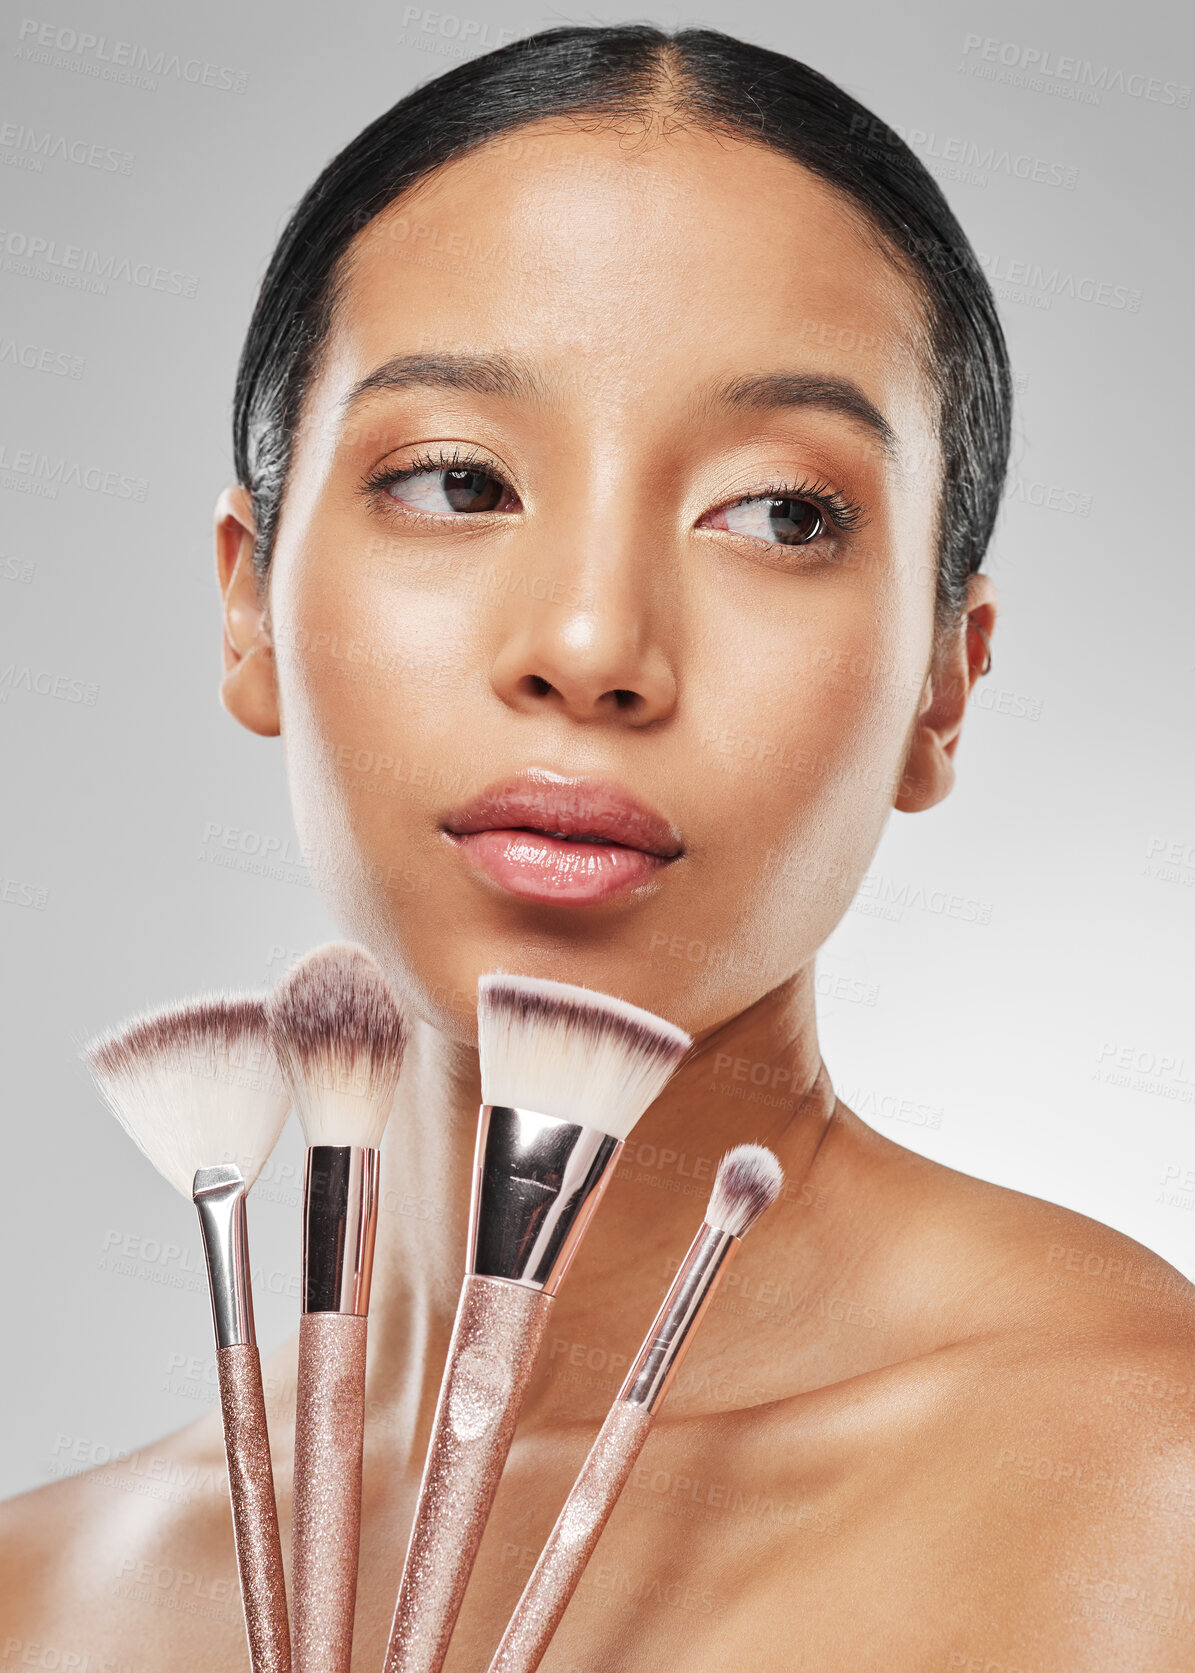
619 699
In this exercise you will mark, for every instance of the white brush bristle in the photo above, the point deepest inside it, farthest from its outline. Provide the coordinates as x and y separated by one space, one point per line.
572 1052
748 1181
194 1085
339 1037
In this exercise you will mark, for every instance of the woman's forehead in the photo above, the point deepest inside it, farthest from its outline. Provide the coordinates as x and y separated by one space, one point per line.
642 261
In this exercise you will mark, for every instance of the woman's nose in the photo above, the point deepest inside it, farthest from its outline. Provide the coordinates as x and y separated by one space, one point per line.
590 641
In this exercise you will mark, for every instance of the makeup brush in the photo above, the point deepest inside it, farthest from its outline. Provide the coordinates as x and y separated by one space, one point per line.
338 1035
196 1087
565 1074
748 1181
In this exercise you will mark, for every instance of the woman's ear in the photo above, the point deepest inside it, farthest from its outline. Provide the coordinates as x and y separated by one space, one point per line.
966 654
249 689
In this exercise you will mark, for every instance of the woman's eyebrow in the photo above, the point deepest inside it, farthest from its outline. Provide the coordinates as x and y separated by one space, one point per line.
773 391
481 374
499 374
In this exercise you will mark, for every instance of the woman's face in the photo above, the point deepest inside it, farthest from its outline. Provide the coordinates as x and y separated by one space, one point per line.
651 528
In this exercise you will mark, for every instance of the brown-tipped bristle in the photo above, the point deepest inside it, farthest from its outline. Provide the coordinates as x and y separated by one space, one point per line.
194 1085
535 1002
748 1181
339 1036
186 1031
572 1052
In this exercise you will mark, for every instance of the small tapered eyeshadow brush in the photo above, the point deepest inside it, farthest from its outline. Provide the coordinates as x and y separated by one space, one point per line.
196 1087
566 1073
748 1181
339 1036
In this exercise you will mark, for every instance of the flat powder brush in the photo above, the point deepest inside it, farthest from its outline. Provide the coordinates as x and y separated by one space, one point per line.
566 1072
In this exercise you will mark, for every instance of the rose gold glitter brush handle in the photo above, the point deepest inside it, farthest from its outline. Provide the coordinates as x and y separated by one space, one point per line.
571 1543
326 1531
254 1515
340 1195
536 1183
499 1327
604 1473
219 1196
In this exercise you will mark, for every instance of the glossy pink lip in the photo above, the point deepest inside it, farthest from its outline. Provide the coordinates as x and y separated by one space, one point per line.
564 841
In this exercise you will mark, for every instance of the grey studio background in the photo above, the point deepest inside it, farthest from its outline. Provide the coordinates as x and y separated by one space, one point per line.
1011 991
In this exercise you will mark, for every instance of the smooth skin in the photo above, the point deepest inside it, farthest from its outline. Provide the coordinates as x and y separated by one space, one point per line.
931 1423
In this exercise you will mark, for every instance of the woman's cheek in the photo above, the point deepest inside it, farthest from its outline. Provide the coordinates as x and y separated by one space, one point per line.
802 752
355 679
811 679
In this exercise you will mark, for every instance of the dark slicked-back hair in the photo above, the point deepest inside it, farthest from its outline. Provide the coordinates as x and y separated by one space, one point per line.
626 74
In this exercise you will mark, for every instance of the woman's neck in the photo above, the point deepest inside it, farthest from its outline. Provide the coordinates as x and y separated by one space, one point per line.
756 1078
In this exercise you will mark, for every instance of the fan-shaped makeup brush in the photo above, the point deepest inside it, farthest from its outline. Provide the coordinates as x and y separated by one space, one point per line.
748 1181
565 1075
339 1036
196 1087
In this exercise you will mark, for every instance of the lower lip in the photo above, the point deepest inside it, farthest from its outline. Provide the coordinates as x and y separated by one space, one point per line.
544 868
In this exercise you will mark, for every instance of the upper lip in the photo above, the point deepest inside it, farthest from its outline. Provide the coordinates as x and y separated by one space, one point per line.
575 807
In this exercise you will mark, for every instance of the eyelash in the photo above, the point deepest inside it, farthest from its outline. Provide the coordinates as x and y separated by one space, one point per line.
384 478
843 513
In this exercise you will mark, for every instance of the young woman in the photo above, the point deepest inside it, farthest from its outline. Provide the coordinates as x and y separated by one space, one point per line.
619 433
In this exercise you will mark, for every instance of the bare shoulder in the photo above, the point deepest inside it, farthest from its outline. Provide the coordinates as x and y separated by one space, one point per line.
1086 1334
1069 1455
1000 1503
111 1564
1095 1350
982 1259
1021 1473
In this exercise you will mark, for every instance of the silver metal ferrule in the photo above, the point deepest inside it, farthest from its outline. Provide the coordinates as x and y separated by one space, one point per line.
219 1195
536 1183
684 1306
340 1222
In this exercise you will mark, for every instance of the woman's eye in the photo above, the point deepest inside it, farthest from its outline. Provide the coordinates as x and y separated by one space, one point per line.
445 492
783 520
